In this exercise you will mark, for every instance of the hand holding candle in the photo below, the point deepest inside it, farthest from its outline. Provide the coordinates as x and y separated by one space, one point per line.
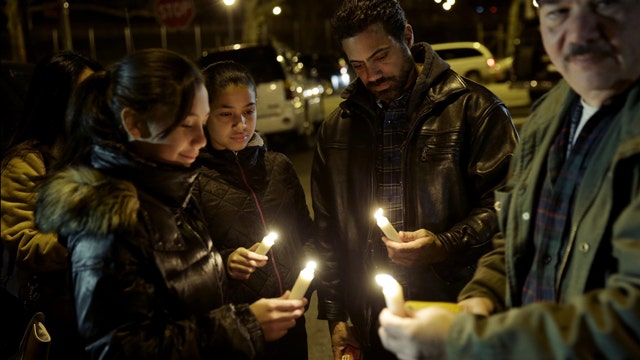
386 227
393 294
266 244
304 280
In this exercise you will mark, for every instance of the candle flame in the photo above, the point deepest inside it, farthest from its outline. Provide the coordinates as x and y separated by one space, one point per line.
378 214
311 265
385 280
270 239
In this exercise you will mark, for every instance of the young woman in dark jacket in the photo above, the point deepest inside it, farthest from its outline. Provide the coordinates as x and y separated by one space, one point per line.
247 192
148 282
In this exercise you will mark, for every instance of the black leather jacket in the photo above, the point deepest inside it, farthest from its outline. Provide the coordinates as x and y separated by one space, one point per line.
148 281
456 154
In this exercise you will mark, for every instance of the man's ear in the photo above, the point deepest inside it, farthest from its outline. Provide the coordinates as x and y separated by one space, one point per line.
408 36
133 124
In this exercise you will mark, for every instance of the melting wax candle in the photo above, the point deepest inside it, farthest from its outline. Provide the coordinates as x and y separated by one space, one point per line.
266 243
393 294
386 227
304 280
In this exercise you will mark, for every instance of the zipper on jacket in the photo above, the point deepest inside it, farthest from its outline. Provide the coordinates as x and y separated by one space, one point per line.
264 223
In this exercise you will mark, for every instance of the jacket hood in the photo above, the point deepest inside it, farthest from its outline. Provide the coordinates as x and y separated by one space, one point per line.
103 198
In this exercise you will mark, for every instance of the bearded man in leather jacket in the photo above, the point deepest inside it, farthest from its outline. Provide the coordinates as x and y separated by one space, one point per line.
423 143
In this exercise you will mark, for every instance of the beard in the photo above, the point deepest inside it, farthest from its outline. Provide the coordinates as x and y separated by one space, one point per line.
396 84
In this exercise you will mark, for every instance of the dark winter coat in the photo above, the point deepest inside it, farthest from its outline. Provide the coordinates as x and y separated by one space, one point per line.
148 281
244 196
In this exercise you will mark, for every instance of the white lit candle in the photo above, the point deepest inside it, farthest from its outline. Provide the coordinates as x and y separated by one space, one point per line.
392 292
304 280
266 243
386 227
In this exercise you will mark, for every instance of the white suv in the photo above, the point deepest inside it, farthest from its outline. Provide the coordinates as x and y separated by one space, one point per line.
469 59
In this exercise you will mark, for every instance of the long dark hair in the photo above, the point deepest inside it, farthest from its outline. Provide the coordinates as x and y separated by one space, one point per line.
157 84
43 117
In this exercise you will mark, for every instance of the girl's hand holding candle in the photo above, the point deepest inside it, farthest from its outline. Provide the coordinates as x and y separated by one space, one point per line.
393 294
266 244
304 280
386 227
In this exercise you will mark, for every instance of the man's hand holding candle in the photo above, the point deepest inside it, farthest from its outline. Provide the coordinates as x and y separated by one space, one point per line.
421 335
243 262
415 248
415 329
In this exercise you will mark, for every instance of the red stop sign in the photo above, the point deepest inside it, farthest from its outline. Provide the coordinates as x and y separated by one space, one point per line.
175 13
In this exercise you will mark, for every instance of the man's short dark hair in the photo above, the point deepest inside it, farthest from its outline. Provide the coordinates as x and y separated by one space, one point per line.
354 16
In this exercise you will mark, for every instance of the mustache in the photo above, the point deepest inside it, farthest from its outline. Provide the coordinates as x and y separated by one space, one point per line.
378 82
585 49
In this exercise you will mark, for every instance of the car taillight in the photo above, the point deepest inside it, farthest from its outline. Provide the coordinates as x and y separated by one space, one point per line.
491 62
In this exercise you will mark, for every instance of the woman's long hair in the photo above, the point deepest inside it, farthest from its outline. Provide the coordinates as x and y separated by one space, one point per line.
157 84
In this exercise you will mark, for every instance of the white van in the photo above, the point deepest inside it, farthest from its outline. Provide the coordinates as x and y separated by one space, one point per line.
469 59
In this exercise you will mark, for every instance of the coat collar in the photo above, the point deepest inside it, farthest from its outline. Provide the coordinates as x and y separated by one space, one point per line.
170 184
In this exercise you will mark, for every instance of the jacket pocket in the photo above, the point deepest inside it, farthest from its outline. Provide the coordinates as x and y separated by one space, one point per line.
442 146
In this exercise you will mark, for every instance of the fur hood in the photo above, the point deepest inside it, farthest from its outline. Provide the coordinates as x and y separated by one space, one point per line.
84 199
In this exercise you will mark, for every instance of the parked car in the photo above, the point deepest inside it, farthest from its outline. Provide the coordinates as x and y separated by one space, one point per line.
289 104
469 59
532 69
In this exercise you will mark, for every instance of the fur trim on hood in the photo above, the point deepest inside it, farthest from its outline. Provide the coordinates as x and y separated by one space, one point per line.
256 140
84 199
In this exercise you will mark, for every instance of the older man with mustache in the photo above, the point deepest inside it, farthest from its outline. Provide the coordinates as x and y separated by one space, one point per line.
564 279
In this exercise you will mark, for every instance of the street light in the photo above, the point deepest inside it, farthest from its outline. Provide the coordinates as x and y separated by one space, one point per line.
229 4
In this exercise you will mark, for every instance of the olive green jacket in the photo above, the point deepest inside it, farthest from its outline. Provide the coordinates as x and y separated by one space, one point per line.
597 314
